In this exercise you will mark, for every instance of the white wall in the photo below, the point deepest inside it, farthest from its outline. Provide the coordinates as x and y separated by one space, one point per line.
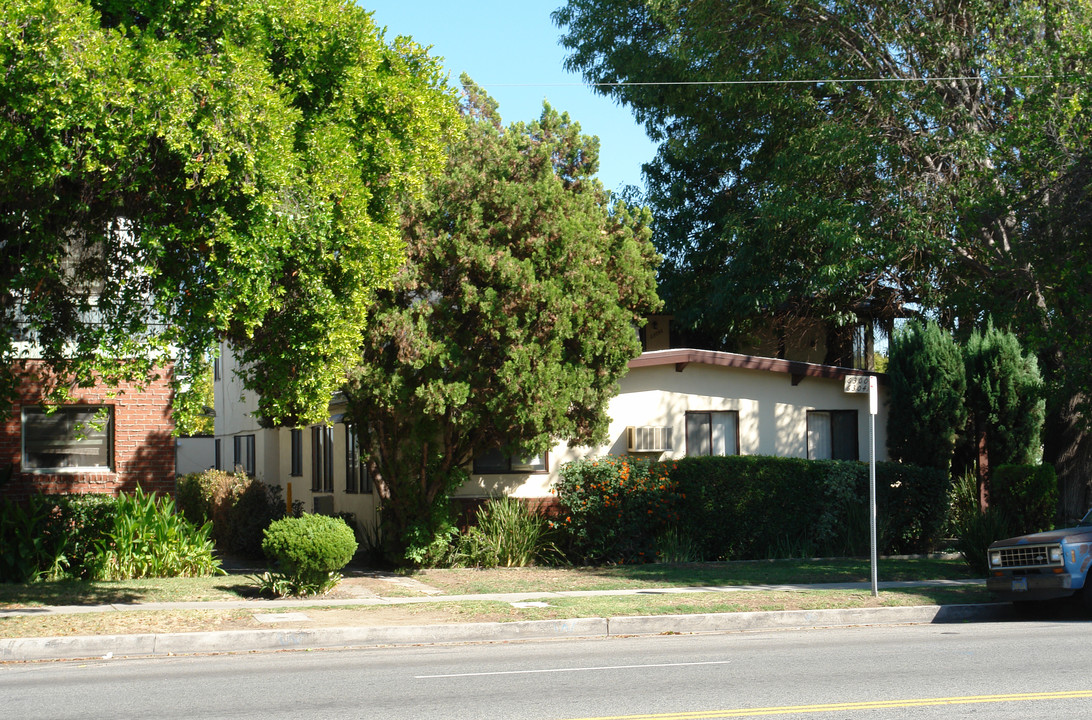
772 417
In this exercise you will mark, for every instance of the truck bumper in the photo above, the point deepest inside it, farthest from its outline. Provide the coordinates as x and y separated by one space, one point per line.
1018 588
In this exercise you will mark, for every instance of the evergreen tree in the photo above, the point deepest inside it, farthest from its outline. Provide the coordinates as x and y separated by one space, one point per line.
926 411
510 323
1004 396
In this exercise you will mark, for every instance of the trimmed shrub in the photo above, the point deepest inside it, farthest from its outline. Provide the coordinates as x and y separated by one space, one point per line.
615 508
309 550
746 507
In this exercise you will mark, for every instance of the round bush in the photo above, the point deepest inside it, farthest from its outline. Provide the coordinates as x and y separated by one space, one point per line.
310 547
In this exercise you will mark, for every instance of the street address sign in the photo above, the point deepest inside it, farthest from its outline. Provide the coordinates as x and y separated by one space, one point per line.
856 383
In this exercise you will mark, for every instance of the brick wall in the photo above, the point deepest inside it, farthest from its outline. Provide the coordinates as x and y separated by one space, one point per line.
143 448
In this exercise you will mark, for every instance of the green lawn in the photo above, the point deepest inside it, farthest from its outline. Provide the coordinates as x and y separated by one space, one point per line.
474 581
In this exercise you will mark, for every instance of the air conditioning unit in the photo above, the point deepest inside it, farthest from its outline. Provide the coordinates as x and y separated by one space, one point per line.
649 439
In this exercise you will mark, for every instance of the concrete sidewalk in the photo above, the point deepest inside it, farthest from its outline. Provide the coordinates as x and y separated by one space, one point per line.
165 644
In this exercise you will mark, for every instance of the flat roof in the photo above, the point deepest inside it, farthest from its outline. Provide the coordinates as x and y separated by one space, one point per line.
681 357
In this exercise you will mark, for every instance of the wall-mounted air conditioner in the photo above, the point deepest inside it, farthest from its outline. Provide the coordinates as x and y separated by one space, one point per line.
649 439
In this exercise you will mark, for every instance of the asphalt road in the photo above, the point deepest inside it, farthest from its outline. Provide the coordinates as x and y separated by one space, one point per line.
987 670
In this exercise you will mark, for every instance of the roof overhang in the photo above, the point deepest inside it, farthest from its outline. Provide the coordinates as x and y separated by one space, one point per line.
681 357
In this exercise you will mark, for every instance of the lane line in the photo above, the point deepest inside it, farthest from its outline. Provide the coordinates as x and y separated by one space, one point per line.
568 669
865 705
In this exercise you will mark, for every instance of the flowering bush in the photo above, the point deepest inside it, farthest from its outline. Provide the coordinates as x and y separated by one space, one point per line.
615 508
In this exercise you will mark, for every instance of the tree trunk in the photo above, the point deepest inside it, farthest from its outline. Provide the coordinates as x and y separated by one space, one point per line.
1068 447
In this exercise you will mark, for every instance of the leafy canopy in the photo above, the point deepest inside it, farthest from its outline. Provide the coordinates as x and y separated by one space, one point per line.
178 173
868 159
511 321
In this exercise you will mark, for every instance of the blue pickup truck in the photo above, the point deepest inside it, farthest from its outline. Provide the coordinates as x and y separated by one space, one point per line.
1043 566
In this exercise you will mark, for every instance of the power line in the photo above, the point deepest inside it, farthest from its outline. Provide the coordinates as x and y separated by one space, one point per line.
828 81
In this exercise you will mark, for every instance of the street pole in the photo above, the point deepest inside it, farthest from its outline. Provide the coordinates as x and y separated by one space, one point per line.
873 408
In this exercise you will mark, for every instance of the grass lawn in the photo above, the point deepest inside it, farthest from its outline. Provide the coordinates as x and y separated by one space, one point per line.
502 580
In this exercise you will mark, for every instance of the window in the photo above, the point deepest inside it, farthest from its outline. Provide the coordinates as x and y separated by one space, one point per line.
357 478
496 462
712 433
244 453
218 464
296 436
69 438
832 435
322 458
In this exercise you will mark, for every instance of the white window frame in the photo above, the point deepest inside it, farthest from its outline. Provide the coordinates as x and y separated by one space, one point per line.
717 440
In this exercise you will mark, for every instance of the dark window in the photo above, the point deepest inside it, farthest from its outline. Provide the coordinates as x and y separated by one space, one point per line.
712 433
216 368
296 436
69 438
496 462
357 479
218 465
322 458
832 435
244 453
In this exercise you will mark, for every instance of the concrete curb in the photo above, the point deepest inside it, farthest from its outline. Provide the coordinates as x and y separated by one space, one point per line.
164 644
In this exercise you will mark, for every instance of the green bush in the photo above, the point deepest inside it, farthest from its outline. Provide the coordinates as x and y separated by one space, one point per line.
52 536
239 507
78 522
976 531
745 507
29 552
147 538
1025 495
615 508
309 550
506 534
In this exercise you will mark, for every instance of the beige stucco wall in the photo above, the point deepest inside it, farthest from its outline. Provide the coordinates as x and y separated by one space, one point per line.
772 414
772 417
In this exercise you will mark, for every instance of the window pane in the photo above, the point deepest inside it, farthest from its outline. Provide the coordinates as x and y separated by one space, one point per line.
491 462
724 433
819 436
698 434
70 437
843 429
297 452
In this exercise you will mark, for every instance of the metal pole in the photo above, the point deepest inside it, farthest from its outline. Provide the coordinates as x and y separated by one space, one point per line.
872 500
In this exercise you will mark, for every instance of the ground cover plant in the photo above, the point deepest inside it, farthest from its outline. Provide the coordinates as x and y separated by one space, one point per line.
51 537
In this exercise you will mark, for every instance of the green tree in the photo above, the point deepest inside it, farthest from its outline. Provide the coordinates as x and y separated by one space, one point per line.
865 157
511 321
926 411
1004 396
177 173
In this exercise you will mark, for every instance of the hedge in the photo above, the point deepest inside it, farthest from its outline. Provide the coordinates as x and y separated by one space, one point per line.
618 509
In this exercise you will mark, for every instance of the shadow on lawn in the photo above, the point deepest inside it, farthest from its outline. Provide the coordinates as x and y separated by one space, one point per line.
68 592
773 572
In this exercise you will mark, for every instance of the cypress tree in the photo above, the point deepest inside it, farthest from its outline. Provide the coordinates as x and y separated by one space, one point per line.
928 382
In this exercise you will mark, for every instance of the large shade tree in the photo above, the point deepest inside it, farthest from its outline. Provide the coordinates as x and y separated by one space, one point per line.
511 322
180 173
839 158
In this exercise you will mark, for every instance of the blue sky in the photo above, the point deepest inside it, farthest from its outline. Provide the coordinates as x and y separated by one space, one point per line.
511 49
